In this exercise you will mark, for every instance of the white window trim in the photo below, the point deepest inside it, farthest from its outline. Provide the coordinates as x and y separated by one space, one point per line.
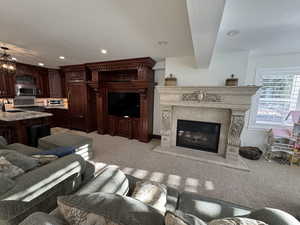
254 106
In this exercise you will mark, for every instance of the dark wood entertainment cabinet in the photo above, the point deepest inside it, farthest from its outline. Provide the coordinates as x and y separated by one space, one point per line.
125 76
87 89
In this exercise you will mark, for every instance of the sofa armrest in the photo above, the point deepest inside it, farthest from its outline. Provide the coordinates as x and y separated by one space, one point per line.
3 142
36 182
40 218
273 217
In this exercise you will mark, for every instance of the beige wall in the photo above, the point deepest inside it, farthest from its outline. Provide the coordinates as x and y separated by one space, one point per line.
242 64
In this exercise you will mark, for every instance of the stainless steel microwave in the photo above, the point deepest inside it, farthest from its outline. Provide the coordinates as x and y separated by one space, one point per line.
26 90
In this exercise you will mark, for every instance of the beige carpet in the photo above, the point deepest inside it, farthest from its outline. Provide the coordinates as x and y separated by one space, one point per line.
266 185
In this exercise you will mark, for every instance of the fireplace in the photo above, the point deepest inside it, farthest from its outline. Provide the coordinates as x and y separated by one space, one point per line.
198 135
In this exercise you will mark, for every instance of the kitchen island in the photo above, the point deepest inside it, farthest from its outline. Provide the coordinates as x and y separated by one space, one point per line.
15 124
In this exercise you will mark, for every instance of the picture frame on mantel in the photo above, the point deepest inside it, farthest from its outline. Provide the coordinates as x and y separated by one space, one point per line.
232 81
171 80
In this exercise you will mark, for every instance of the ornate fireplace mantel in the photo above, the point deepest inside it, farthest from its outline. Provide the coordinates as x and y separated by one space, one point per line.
226 105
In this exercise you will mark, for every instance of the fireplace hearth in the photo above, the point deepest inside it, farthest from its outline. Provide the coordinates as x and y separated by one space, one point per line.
198 135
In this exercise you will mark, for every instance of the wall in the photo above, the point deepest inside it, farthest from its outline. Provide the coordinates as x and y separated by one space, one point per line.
242 64
222 66
159 79
258 137
187 74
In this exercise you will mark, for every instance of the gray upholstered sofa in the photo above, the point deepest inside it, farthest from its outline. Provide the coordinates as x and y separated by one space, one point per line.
202 207
37 189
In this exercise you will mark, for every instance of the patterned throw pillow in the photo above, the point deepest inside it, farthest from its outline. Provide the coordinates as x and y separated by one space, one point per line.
9 170
151 193
107 209
236 221
179 218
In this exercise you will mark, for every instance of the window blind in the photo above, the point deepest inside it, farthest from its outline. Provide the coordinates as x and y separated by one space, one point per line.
278 96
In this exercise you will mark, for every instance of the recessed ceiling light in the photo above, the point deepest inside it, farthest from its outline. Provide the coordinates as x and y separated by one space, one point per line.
103 51
233 33
162 42
41 64
61 57
13 58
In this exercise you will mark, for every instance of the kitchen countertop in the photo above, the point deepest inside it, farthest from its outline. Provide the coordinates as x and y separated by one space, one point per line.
24 115
56 107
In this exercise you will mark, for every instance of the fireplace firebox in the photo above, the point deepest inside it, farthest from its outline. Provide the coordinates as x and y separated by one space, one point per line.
198 135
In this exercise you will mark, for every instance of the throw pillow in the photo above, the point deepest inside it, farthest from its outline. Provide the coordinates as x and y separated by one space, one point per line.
151 193
9 170
59 151
179 218
107 209
22 161
236 221
5 184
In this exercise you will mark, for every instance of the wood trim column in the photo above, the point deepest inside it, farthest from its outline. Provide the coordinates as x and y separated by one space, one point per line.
144 137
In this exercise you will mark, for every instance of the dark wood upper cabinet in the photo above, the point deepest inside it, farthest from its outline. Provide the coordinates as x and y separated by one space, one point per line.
39 74
55 84
7 85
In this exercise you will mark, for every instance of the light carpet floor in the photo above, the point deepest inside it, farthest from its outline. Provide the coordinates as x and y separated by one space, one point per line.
266 185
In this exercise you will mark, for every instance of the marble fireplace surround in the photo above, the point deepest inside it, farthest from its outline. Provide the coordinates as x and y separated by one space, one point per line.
224 105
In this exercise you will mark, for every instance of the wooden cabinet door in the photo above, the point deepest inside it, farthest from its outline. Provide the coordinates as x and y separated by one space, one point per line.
55 84
2 85
77 105
124 127
7 85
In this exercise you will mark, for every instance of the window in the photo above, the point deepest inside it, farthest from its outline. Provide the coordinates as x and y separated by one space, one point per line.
278 96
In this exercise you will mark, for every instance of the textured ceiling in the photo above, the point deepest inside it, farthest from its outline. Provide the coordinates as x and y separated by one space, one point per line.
266 26
41 31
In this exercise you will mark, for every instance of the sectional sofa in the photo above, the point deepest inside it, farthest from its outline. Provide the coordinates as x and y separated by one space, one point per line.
37 189
111 180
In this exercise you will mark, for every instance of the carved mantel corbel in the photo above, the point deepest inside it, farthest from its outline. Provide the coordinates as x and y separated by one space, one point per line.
234 134
166 125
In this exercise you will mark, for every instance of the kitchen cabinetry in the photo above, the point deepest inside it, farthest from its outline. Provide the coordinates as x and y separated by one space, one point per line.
39 75
7 87
59 118
55 84
77 104
81 99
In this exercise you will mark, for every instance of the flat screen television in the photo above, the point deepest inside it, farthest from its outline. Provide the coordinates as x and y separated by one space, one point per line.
124 104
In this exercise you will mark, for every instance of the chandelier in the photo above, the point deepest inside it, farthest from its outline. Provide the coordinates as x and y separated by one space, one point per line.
7 63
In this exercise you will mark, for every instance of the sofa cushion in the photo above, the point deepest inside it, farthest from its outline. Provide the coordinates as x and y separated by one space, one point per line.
209 209
22 161
237 221
23 149
107 208
8 170
40 218
179 218
273 217
83 144
111 180
5 184
151 193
